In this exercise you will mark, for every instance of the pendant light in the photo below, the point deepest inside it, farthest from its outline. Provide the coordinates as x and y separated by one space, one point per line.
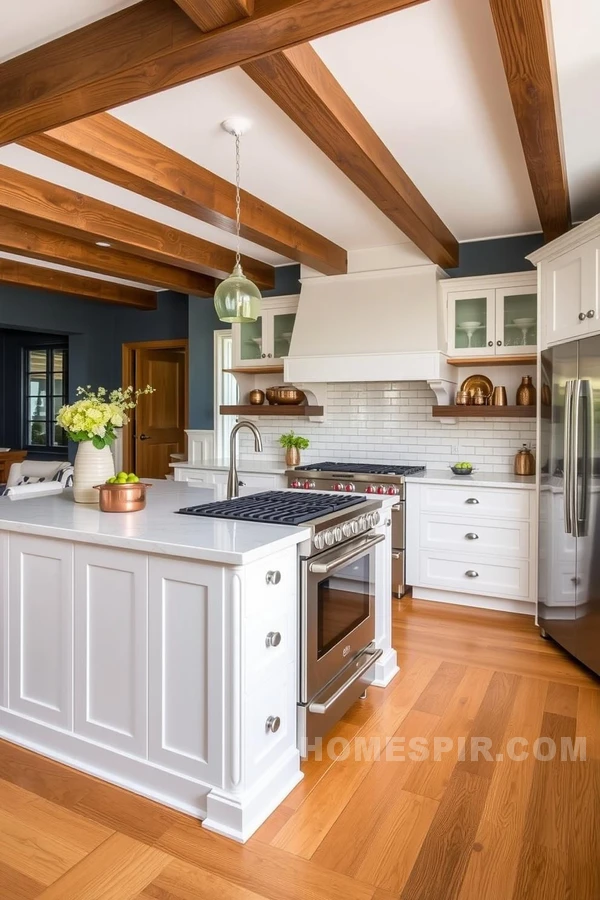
237 299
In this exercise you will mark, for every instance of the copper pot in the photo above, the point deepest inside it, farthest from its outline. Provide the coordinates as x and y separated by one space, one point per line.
286 396
524 461
256 397
526 392
120 498
478 397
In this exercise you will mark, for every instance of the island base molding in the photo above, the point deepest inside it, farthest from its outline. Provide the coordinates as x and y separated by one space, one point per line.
386 668
235 815
500 604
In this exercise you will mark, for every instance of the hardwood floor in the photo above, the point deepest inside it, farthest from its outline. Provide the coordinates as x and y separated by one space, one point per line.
359 826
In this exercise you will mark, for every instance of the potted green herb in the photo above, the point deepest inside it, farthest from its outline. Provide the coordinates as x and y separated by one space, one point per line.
293 444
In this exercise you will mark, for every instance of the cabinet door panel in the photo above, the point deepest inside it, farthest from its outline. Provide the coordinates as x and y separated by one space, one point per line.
185 667
562 289
471 323
111 647
250 343
516 320
4 619
591 291
41 622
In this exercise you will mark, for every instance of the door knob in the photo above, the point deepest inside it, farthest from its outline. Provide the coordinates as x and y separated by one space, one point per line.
591 313
582 316
273 639
144 437
273 577
272 724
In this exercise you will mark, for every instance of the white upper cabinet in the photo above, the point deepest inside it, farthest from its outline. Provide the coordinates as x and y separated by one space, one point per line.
492 315
266 342
569 278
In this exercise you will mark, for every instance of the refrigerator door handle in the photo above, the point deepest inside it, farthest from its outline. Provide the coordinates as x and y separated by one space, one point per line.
581 397
567 457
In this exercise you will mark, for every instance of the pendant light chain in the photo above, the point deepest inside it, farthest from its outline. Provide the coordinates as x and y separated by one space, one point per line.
237 199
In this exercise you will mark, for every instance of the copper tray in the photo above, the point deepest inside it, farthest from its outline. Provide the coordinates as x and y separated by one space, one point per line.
120 498
473 382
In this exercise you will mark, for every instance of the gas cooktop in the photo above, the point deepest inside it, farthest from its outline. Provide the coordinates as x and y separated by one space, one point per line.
276 507
361 468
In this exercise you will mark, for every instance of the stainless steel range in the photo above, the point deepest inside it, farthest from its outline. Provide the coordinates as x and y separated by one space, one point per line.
347 477
337 565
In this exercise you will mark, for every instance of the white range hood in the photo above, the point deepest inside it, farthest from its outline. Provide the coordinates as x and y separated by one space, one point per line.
384 325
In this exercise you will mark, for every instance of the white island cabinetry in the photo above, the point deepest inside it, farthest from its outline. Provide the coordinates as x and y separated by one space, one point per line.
148 665
472 541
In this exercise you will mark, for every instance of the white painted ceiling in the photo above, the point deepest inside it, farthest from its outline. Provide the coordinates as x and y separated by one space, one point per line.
430 81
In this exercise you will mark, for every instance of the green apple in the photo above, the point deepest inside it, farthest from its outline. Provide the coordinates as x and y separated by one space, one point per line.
111 480
122 475
132 478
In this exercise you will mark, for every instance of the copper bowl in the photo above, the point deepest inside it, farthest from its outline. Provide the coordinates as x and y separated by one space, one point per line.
120 498
285 396
256 397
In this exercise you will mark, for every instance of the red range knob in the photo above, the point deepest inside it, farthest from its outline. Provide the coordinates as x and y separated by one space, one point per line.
338 486
380 489
308 485
370 489
393 490
295 484
349 487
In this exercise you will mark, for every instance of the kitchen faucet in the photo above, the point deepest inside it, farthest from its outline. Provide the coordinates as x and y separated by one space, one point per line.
232 480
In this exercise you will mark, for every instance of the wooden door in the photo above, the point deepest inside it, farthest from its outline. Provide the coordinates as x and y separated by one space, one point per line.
160 417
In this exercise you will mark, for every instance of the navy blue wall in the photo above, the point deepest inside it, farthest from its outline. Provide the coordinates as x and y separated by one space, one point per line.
203 322
494 257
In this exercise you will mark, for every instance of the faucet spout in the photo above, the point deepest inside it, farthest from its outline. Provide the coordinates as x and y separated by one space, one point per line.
233 485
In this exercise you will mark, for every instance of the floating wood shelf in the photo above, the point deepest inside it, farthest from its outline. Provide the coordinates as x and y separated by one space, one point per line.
525 359
267 410
256 370
484 412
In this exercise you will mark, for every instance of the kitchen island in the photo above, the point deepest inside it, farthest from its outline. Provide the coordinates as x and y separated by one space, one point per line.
133 647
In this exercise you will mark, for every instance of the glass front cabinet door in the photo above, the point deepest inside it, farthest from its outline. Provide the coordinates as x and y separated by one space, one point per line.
267 341
248 340
516 321
471 323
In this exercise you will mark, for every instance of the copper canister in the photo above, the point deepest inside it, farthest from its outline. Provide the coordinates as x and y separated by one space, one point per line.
478 397
462 398
256 397
499 396
524 461
121 498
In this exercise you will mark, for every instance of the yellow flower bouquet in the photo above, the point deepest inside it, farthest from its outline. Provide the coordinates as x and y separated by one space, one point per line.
96 414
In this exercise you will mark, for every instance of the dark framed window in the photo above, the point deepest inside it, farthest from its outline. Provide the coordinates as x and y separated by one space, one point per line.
45 390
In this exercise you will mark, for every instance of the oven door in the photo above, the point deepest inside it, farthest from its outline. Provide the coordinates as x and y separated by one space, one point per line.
338 610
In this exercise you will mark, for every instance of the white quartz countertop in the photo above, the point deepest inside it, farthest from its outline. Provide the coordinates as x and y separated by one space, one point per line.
483 479
156 529
257 466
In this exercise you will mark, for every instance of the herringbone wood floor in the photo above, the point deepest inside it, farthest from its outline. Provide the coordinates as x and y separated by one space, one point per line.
368 830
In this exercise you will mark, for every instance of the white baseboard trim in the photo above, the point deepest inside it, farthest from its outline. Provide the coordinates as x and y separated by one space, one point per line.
500 604
386 668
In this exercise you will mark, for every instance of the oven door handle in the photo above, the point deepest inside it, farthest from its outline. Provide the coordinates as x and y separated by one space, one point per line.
321 708
326 568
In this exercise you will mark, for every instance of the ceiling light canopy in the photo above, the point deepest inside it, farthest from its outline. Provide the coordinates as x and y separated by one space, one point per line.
237 299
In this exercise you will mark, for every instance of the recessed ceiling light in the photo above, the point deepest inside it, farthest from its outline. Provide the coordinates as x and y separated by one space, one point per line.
103 244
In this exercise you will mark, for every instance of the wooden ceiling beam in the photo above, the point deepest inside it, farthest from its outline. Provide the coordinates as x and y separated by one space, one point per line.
114 151
152 46
304 88
524 34
211 14
24 275
35 243
54 208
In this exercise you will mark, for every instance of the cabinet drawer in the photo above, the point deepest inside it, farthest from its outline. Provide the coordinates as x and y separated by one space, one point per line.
475 536
476 502
500 578
263 658
264 591
275 697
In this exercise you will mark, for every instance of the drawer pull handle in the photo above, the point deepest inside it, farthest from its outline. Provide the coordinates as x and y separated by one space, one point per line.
471 573
273 724
472 500
274 577
471 536
273 639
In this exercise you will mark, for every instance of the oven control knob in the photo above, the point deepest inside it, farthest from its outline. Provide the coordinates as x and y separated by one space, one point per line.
329 537
380 489
393 491
362 523
370 489
374 519
347 529
319 541
338 533
338 486
295 484
349 487
308 485
354 526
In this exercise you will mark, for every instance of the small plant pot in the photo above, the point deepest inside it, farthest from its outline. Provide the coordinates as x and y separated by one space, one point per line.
292 456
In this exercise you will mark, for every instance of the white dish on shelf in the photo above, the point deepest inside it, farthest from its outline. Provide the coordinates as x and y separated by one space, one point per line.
286 335
257 341
469 325
521 323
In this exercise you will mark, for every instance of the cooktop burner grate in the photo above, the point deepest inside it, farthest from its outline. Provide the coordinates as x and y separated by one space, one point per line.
276 507
361 468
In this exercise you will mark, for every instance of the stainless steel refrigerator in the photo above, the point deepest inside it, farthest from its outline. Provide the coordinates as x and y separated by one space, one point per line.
569 527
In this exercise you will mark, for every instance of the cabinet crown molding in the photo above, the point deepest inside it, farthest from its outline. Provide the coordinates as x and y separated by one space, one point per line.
587 231
505 279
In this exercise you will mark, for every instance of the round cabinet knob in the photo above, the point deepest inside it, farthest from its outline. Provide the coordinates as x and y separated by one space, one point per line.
471 536
273 577
273 639
591 313
471 573
581 316
269 355
499 343
472 500
490 343
273 724
263 355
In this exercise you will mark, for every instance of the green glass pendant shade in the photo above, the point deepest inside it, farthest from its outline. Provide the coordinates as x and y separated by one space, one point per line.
237 299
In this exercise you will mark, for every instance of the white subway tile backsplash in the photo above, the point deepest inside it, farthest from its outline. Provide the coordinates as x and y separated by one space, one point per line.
392 422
